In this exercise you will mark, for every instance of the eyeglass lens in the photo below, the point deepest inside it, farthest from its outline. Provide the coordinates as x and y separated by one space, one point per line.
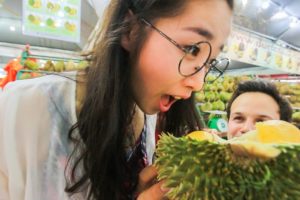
217 68
195 58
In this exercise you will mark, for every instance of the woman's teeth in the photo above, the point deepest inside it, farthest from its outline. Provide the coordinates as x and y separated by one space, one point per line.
176 97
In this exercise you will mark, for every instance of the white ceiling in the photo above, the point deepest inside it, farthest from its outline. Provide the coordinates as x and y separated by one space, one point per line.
272 21
249 14
258 16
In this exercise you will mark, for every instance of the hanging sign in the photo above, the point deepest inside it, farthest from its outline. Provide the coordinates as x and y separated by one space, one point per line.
248 48
55 19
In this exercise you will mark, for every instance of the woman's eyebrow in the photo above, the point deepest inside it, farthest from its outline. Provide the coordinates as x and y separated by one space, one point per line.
201 31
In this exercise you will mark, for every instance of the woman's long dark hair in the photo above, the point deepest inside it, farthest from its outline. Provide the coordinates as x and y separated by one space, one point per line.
105 120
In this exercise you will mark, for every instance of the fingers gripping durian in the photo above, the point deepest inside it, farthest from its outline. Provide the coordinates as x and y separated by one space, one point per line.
254 166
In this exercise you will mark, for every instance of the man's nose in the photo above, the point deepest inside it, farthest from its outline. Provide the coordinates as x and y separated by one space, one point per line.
248 126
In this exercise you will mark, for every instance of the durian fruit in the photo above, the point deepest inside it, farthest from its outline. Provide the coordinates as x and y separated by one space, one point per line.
49 66
59 66
50 23
82 65
70 26
199 167
30 64
296 116
70 66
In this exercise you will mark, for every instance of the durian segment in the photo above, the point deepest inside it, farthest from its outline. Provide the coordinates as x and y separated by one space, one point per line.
249 136
277 132
200 135
195 170
254 149
249 145
203 135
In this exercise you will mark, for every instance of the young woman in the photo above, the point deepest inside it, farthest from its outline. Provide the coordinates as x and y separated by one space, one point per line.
151 55
255 101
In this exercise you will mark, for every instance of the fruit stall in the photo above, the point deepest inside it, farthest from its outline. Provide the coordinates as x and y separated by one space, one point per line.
30 66
45 65
46 37
212 100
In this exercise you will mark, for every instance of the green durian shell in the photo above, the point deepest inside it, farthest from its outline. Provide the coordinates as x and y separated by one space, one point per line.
206 170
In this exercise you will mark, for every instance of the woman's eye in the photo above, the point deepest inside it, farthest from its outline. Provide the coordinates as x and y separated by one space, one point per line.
192 50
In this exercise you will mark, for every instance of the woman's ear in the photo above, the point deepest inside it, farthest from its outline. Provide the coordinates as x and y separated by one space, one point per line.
127 37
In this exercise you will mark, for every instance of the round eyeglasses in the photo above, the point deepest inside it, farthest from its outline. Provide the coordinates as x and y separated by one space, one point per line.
216 69
196 57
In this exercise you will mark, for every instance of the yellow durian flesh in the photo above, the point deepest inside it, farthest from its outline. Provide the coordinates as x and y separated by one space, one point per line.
249 136
254 149
262 141
277 132
203 135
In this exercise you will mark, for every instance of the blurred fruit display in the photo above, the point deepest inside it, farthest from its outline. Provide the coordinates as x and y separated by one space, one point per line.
215 96
292 92
53 19
53 7
34 69
35 3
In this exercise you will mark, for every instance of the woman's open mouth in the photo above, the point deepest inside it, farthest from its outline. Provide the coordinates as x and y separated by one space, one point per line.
166 102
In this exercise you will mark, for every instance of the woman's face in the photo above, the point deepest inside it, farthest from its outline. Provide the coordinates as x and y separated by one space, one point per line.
156 81
249 108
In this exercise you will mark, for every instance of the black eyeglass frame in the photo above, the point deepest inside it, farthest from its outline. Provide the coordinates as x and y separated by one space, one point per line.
211 64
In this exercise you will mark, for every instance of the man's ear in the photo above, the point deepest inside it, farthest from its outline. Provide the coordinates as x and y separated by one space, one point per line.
127 37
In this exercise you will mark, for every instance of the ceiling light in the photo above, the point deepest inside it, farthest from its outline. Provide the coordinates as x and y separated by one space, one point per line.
265 4
1 5
294 22
12 28
244 2
279 15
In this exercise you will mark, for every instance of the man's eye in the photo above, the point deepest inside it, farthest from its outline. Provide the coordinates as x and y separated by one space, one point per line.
238 118
260 120
192 49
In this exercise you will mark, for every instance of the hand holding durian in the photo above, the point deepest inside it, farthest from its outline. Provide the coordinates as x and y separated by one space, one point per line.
261 164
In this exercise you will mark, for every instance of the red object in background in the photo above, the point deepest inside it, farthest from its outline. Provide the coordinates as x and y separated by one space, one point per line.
274 76
12 69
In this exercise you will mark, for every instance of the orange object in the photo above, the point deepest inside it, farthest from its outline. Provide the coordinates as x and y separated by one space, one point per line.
12 69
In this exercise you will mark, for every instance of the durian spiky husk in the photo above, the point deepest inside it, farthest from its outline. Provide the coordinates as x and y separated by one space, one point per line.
204 169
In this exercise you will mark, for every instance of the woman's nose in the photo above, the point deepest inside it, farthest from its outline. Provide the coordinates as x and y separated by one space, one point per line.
196 81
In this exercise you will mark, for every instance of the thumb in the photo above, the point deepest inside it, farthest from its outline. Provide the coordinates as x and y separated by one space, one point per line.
155 192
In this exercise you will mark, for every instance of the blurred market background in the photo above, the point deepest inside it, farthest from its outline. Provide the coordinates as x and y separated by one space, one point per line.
264 43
